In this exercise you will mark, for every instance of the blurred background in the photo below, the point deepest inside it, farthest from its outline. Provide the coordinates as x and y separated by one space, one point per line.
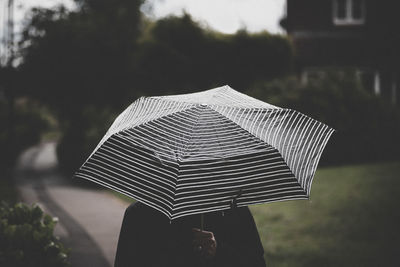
68 68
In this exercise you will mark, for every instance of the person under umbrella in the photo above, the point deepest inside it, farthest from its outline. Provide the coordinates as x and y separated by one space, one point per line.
204 153
148 238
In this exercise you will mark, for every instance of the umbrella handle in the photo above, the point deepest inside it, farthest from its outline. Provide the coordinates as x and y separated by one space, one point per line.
234 200
202 222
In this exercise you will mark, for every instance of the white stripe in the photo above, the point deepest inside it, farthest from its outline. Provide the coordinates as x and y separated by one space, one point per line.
265 148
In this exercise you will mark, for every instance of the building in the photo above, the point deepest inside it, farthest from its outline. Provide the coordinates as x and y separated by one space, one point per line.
340 34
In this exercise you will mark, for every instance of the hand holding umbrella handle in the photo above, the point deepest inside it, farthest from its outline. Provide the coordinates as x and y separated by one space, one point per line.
204 243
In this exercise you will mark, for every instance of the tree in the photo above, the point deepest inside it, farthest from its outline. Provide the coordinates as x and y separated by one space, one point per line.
179 55
79 60
75 58
103 55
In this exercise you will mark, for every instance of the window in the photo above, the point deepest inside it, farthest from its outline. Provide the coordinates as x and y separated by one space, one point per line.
348 12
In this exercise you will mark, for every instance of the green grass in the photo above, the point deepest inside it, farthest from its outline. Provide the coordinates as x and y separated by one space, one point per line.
351 219
122 196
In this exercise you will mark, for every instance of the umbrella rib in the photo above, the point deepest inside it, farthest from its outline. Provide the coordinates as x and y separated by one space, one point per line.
261 195
192 153
124 192
258 139
318 157
303 128
184 148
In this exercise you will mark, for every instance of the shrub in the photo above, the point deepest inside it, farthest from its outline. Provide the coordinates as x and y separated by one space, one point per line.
26 238
367 126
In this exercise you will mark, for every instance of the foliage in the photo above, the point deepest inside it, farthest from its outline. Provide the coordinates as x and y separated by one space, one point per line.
350 220
367 127
75 61
21 129
75 58
92 56
26 238
178 55
80 137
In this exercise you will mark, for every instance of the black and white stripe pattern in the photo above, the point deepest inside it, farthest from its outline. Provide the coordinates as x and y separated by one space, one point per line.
195 153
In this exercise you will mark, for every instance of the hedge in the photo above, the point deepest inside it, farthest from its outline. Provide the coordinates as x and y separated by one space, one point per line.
27 239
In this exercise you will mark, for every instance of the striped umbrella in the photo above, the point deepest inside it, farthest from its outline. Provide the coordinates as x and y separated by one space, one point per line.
202 152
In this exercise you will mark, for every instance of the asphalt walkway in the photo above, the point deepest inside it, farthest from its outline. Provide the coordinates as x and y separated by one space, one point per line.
89 219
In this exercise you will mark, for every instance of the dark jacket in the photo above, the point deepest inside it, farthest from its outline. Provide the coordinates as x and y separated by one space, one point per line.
149 239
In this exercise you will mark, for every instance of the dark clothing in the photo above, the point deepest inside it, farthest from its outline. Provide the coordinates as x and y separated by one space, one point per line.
149 239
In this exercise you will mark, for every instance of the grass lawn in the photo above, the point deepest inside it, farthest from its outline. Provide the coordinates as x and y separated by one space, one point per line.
122 196
351 219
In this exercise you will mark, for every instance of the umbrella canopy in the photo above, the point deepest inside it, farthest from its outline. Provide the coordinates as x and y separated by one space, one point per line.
201 152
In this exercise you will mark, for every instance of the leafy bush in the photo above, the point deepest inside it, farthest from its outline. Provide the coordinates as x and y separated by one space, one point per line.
367 126
26 238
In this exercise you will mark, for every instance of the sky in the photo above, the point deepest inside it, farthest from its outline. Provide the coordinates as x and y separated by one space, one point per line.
21 6
222 15
228 15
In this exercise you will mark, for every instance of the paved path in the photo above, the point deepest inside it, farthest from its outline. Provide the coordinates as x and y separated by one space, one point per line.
89 219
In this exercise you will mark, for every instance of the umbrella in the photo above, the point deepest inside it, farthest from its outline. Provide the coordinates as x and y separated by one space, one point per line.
207 151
